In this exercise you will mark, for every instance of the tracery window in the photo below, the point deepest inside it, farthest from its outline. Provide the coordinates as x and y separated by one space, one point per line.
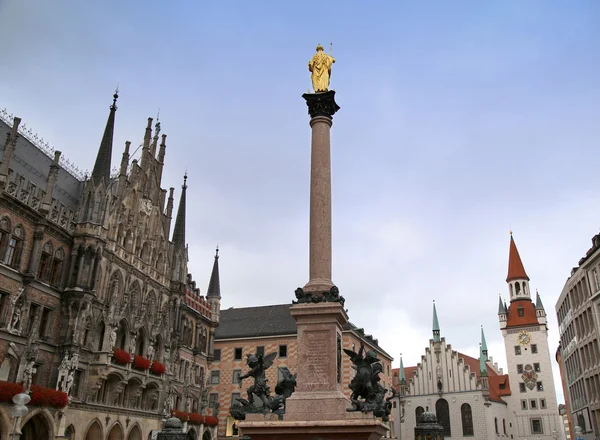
45 262
15 247
467 419
443 415
57 267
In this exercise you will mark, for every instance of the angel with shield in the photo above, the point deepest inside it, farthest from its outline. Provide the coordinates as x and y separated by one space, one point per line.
258 365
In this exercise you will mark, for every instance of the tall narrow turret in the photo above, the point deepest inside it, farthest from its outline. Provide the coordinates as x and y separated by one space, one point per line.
436 325
179 230
101 171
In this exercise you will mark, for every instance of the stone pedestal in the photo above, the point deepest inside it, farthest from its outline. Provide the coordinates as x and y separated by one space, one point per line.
317 409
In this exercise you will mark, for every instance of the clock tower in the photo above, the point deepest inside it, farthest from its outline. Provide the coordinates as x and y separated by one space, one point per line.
532 405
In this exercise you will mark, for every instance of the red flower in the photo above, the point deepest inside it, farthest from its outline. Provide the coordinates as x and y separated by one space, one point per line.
158 368
140 363
8 390
196 419
180 415
48 397
212 421
121 356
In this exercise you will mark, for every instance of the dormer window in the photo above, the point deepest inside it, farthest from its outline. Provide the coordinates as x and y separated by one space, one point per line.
521 312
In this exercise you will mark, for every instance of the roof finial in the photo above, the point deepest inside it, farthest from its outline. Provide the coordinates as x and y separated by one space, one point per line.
157 114
217 251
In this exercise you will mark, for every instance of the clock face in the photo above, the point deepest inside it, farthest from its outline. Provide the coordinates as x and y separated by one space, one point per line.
524 338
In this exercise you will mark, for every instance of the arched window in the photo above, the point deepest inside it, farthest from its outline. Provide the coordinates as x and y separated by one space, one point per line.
512 293
518 287
144 253
57 267
159 262
467 419
443 415
496 425
121 234
4 234
418 413
15 247
45 262
504 426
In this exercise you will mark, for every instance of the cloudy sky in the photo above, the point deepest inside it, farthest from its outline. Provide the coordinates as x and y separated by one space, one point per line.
459 121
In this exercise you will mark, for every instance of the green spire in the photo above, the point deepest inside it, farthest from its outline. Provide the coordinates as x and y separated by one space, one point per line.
484 349
436 325
538 301
501 308
402 375
482 361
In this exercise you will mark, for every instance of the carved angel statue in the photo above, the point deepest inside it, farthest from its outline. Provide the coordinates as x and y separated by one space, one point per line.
320 67
258 365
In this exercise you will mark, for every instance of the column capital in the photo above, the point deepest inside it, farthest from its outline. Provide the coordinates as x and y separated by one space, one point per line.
321 104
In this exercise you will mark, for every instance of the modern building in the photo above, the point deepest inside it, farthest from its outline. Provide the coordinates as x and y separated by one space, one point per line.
473 398
577 310
467 394
264 330
96 299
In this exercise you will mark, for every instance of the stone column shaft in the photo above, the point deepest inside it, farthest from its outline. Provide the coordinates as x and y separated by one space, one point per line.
321 107
320 205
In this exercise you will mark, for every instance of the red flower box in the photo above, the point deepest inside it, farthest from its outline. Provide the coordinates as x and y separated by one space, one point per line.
183 416
48 397
121 357
8 390
158 368
196 419
211 421
140 363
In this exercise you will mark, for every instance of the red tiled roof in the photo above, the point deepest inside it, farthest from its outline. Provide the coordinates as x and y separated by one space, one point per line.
529 316
516 271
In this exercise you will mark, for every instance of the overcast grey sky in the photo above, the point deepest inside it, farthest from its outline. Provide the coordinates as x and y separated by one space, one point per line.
459 121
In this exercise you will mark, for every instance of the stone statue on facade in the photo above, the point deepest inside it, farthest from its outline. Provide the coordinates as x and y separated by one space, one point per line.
320 68
30 370
63 372
14 313
132 344
112 340
69 382
258 365
150 352
333 295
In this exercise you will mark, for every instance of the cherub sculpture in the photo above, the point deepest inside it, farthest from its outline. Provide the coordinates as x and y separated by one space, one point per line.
258 365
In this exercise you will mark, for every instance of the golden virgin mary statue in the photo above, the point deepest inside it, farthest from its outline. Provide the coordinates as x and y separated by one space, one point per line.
320 67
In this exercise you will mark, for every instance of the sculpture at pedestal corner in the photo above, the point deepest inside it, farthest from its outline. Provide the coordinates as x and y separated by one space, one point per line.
258 365
368 395
320 68
333 295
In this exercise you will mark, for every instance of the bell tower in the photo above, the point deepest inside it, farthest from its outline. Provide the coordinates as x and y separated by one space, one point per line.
532 404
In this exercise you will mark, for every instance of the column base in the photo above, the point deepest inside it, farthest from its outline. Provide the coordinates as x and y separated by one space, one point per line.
318 285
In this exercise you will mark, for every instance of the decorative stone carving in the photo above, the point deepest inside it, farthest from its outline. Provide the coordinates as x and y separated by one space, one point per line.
321 104
30 370
333 295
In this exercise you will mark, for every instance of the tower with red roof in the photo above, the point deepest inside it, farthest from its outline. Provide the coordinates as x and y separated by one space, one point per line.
532 404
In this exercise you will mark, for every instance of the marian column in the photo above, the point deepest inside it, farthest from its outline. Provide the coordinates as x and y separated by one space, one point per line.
318 407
